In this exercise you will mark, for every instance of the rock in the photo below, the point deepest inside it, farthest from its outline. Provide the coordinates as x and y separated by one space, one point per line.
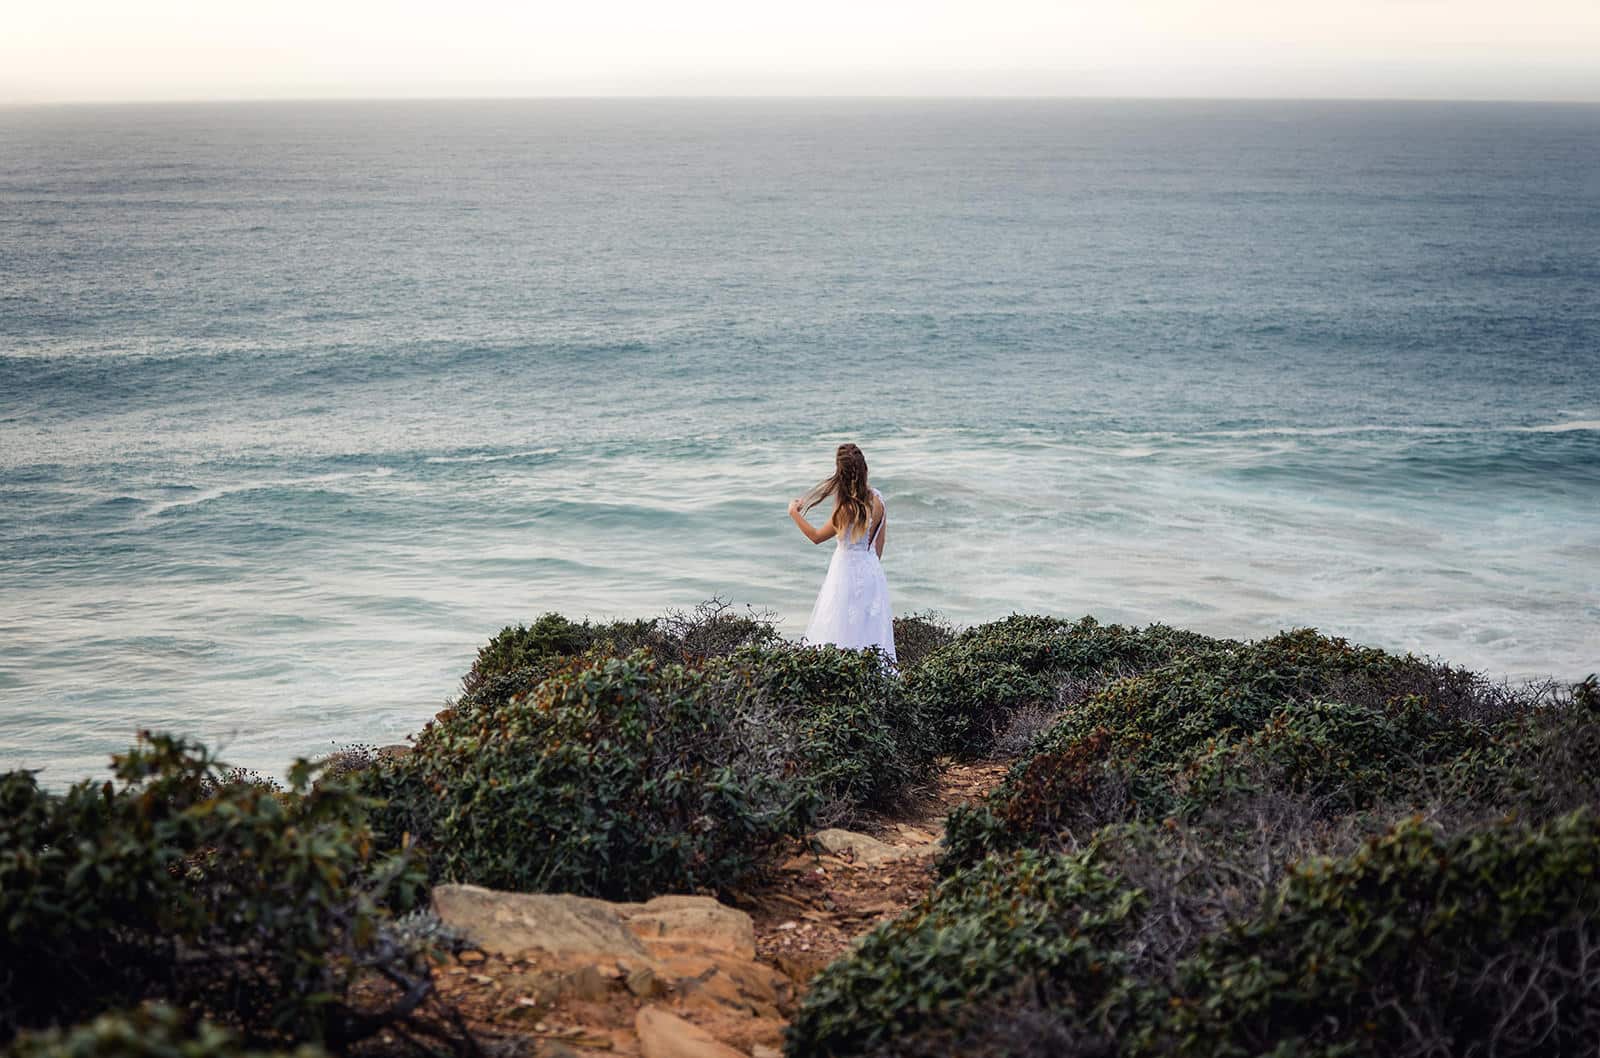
586 982
917 837
393 752
665 1035
644 983
694 919
865 849
761 1050
508 923
717 981
557 1049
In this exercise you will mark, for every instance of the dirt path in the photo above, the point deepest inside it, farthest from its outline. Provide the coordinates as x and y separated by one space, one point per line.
727 999
815 903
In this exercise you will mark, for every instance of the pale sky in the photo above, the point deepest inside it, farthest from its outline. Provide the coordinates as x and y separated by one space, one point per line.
120 50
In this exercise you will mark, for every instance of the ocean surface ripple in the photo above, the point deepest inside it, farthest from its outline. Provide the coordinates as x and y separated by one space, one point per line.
299 403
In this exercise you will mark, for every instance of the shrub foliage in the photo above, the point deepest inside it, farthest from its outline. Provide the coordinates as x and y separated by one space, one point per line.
971 687
1293 846
625 777
181 882
154 1031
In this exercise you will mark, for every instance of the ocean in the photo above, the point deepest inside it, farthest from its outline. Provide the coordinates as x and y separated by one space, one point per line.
300 403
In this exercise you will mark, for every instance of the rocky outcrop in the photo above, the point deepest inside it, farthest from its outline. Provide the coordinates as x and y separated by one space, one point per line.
862 848
509 923
663 1034
689 959
675 975
692 921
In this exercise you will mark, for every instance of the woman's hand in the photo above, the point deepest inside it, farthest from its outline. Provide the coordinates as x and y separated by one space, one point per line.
813 534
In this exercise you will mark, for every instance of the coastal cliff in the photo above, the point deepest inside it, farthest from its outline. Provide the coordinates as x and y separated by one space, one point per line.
1037 836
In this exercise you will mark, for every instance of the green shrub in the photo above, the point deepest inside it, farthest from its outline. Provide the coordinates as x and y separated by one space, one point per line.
917 635
258 905
630 777
519 657
1298 710
1536 765
526 647
622 778
971 687
1004 928
1411 942
858 742
1480 942
1335 756
154 1031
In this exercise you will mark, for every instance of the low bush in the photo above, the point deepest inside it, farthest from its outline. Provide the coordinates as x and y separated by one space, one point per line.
516 659
1328 850
154 1031
1002 930
1153 940
182 881
858 742
621 778
1486 941
628 777
970 688
917 635
1309 715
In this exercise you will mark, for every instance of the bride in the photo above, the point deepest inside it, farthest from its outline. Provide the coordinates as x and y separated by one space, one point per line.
852 609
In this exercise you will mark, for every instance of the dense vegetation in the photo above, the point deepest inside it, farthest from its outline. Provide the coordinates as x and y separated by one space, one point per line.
627 776
260 906
1294 846
154 1031
1204 847
974 690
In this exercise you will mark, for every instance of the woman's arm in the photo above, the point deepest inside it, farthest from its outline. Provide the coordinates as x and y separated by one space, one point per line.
883 527
813 534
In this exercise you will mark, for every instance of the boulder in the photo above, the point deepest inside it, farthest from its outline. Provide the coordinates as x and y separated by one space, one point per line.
508 923
864 848
697 920
665 1035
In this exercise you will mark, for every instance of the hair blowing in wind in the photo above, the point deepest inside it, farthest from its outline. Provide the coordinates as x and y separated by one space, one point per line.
849 484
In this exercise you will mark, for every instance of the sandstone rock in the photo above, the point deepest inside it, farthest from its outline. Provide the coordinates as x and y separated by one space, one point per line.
557 1049
644 983
715 981
761 1050
866 849
916 836
665 1035
586 982
507 923
699 920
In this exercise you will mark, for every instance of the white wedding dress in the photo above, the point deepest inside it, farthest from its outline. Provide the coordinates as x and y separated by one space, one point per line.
852 608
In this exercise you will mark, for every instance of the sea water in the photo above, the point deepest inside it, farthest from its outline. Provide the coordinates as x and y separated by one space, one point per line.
299 403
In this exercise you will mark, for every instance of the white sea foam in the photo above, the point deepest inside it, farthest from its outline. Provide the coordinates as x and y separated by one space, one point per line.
1566 427
494 457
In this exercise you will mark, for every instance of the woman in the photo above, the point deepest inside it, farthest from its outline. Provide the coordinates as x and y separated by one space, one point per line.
852 609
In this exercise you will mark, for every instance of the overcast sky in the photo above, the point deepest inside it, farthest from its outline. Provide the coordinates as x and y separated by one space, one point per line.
72 50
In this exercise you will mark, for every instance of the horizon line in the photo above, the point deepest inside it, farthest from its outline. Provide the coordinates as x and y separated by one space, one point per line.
792 97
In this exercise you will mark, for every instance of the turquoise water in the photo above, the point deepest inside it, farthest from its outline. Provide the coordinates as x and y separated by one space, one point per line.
299 403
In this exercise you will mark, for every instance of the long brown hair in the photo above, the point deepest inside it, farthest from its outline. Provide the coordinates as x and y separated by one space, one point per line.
848 486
